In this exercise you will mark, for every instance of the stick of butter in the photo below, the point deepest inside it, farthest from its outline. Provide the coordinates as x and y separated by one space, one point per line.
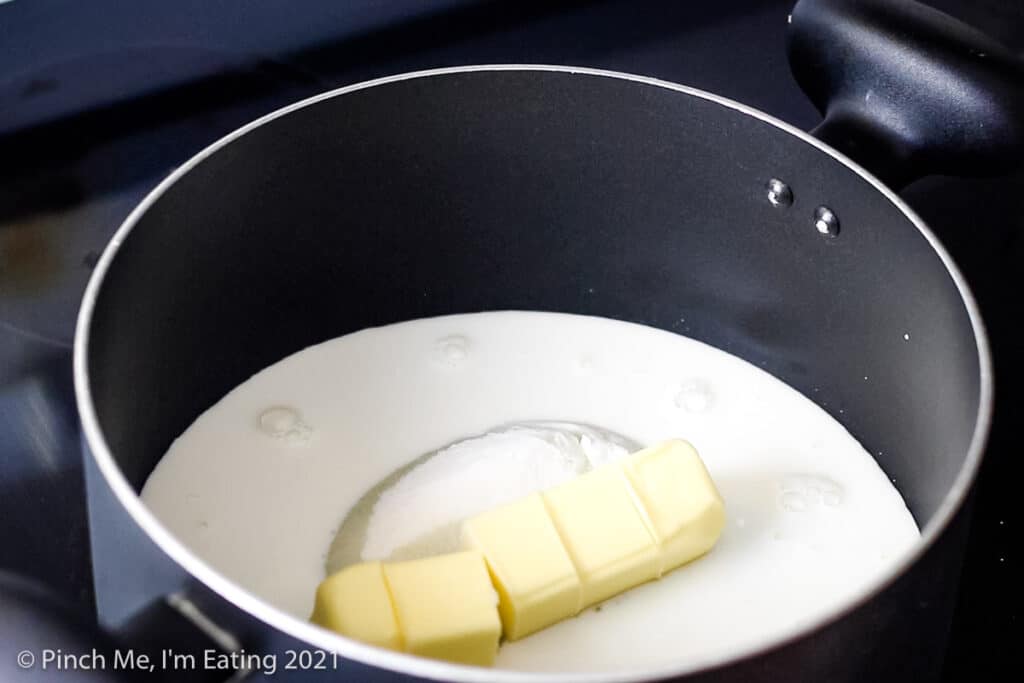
548 556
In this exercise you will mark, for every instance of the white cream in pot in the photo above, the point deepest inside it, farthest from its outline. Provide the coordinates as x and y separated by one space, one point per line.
258 485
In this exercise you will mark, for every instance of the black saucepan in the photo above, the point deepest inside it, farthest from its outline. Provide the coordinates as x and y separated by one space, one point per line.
562 189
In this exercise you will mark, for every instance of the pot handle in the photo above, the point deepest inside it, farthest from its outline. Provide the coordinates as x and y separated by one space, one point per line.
44 639
907 90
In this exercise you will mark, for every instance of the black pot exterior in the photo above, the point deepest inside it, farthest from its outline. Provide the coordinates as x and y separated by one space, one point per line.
541 189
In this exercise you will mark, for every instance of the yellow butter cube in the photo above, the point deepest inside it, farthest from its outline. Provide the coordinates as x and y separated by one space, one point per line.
607 539
682 507
355 602
536 580
446 607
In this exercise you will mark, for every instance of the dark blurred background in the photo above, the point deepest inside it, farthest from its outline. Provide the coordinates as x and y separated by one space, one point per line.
99 100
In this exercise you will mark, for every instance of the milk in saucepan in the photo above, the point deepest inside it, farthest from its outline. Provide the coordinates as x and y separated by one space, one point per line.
259 484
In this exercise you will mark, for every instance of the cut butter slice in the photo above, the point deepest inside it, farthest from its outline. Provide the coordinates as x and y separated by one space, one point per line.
604 533
536 580
355 602
446 607
679 501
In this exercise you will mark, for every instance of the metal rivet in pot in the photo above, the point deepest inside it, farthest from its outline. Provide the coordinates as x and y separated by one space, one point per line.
779 193
826 221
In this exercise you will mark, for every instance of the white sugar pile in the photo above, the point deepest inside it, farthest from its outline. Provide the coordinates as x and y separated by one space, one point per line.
420 514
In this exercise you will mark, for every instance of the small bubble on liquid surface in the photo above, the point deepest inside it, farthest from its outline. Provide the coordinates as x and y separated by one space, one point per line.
451 351
285 423
800 492
585 365
278 420
694 396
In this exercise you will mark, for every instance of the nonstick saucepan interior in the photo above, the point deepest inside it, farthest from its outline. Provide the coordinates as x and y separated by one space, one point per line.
532 189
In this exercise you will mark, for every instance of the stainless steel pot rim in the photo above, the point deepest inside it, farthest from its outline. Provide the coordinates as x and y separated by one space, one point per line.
416 666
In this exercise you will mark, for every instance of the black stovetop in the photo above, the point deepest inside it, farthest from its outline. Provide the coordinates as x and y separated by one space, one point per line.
99 100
